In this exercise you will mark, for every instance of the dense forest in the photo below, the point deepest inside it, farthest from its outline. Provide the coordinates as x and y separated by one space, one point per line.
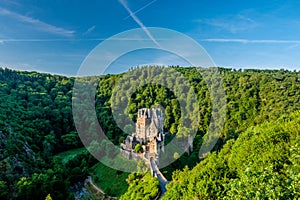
257 155
263 163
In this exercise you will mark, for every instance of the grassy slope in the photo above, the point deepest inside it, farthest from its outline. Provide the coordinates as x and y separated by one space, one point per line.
111 181
70 154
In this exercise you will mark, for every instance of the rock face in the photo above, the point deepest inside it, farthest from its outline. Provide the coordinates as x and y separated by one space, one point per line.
15 154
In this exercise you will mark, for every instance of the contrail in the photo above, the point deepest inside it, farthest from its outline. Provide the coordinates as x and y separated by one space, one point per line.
142 8
246 41
136 19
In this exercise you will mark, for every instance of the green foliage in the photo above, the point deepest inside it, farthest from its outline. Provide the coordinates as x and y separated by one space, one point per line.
36 123
111 150
71 139
56 180
66 156
138 148
48 197
141 187
176 156
141 166
111 181
3 190
262 164
128 129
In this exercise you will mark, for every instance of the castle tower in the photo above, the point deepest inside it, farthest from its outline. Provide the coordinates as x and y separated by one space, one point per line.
143 121
149 131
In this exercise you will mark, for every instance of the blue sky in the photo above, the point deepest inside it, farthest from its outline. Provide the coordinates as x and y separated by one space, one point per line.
56 36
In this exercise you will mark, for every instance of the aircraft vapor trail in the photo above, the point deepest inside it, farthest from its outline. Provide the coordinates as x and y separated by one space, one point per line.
142 8
137 20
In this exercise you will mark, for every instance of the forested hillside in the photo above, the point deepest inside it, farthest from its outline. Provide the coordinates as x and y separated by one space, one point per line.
263 163
36 123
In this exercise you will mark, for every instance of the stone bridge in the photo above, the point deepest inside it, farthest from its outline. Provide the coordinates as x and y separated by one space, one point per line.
156 173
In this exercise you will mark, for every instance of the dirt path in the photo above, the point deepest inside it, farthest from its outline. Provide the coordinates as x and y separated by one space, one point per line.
89 180
97 189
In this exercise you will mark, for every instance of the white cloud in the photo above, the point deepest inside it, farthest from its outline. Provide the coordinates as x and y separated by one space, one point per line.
37 24
232 23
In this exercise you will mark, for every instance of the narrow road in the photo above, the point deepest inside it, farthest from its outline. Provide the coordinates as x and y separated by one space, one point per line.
162 180
89 180
103 196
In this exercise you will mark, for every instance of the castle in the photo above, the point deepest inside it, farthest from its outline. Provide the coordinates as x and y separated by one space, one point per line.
149 133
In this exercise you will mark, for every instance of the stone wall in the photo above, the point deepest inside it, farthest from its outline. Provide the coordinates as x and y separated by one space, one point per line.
131 155
125 154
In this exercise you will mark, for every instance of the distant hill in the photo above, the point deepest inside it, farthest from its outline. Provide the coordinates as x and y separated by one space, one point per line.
36 123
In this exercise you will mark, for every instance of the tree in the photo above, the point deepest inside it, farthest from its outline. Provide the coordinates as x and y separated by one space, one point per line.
128 129
260 164
176 156
3 190
48 197
111 150
173 129
41 125
138 148
71 139
96 148
141 166
121 139
143 187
